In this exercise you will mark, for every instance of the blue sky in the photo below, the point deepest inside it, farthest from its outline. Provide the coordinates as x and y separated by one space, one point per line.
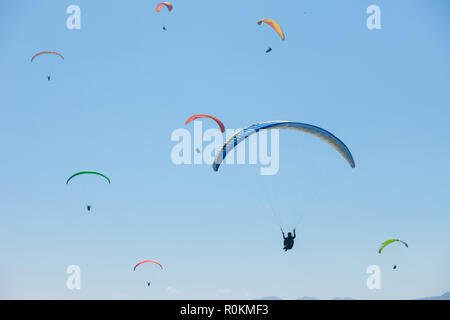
125 85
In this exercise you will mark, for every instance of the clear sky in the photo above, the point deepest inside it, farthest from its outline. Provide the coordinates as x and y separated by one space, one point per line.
125 85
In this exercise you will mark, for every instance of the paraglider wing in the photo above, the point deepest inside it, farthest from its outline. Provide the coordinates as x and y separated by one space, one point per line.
197 116
164 4
387 242
147 261
274 25
47 52
320 133
88 172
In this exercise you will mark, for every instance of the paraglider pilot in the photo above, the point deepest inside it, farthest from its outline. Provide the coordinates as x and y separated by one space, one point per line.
288 241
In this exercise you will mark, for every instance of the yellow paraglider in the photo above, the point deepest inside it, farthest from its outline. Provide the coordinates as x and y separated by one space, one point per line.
274 25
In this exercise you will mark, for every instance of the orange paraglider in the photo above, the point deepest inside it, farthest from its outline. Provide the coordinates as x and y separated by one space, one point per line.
274 25
47 52
164 4
148 261
197 116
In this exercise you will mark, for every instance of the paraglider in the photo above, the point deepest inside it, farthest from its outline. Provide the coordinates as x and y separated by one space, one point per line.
88 172
198 116
147 261
161 5
88 206
47 52
387 242
275 26
318 132
288 241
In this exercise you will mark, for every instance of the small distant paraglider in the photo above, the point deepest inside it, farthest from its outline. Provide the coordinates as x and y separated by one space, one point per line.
275 26
88 205
388 242
148 261
161 5
47 52
199 116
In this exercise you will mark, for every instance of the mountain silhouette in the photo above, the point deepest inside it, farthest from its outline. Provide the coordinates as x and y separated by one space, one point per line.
445 296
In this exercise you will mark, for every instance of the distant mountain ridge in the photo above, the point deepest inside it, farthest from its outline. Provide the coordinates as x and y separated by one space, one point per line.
445 296
307 298
270 298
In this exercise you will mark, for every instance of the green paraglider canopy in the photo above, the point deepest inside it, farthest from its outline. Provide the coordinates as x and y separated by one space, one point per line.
88 172
387 242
